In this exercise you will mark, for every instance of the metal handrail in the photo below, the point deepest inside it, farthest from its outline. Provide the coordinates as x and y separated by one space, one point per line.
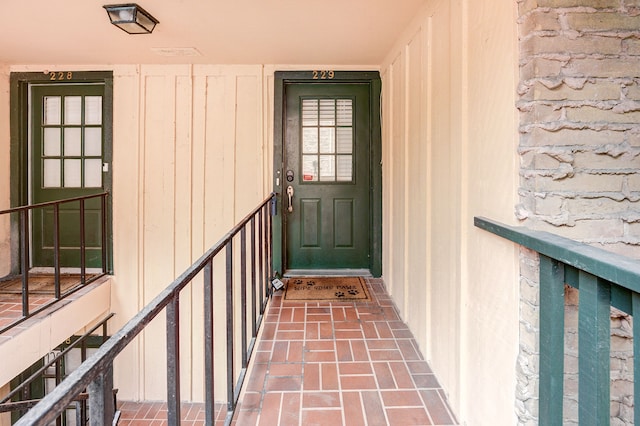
51 203
604 279
25 253
93 373
80 341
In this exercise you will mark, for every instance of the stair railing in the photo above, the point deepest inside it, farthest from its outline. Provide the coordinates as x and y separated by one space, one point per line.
96 373
23 223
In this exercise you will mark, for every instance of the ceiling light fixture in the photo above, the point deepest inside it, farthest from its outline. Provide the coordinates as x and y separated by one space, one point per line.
131 18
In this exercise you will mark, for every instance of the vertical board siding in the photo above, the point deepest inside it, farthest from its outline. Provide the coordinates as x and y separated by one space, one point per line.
406 167
183 211
158 121
248 145
407 181
126 294
417 170
189 147
398 183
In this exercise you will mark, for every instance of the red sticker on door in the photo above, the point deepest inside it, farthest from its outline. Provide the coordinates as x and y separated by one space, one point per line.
307 177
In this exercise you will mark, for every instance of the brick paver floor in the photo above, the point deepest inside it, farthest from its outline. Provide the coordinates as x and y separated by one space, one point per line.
340 363
328 363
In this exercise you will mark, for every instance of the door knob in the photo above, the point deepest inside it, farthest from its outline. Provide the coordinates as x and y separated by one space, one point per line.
290 195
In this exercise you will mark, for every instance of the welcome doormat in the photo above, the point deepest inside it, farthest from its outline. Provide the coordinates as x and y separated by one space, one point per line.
326 289
41 284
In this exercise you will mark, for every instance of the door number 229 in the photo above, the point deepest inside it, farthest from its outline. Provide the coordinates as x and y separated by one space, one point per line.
324 75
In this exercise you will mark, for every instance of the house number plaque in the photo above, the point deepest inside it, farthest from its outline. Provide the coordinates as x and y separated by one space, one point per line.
324 75
60 75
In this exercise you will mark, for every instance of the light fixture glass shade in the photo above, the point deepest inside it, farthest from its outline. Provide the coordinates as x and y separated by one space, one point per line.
131 18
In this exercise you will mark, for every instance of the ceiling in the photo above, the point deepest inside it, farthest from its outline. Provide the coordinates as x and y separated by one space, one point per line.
78 32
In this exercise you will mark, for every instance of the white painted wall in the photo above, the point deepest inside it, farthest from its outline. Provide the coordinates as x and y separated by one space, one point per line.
449 154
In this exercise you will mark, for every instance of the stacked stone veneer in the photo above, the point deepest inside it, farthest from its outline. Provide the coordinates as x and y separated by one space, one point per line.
580 164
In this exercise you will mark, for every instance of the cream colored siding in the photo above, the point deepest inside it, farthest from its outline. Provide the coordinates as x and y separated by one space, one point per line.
188 158
398 184
449 147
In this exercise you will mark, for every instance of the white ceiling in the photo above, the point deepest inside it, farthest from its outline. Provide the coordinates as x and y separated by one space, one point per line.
336 32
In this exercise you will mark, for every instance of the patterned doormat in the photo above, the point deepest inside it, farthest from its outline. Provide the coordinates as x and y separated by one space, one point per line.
326 289
41 284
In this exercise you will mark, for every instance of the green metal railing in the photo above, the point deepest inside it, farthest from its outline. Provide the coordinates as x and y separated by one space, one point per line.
604 279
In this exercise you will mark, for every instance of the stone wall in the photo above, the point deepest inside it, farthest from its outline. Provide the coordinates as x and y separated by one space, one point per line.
580 160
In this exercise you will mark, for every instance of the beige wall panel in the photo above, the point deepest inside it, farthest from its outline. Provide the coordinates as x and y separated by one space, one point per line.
5 243
197 227
183 233
218 133
492 290
398 182
387 171
126 223
461 125
158 138
417 171
444 351
220 130
249 146
268 117
232 132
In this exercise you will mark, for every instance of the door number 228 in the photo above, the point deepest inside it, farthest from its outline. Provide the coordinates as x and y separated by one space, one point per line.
60 75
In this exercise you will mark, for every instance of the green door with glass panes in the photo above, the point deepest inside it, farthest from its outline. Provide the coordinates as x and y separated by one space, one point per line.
326 182
67 148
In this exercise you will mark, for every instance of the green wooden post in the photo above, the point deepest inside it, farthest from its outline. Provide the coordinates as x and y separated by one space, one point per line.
551 341
594 338
635 301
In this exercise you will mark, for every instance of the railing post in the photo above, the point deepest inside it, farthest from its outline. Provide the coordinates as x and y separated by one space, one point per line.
266 218
261 260
254 326
101 407
173 361
230 315
635 303
83 245
243 293
270 236
56 249
103 207
594 343
551 341
24 224
208 344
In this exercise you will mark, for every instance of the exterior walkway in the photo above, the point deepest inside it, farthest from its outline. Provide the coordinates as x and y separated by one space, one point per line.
338 363
327 363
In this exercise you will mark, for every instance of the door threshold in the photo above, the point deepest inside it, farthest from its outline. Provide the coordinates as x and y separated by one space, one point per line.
327 272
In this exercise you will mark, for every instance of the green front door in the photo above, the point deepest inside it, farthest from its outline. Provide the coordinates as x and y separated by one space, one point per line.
326 178
67 148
